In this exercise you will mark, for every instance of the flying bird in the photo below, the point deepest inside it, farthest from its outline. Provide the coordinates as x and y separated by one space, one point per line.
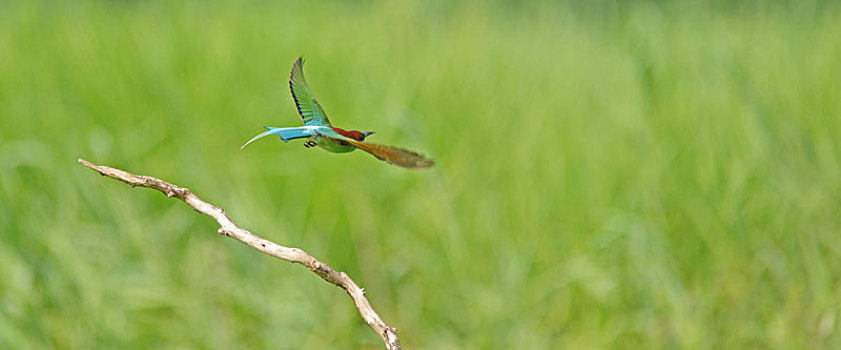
320 133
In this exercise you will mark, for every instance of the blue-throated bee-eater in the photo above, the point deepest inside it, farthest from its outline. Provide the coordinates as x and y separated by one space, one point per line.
319 132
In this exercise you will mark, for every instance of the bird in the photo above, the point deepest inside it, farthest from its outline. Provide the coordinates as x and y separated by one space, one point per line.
319 132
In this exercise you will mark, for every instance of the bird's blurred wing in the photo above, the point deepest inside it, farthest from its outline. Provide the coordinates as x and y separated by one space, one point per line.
393 155
309 109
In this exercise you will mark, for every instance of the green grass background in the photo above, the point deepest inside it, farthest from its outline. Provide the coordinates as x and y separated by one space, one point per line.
619 174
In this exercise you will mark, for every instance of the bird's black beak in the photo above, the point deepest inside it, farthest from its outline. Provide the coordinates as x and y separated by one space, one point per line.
365 134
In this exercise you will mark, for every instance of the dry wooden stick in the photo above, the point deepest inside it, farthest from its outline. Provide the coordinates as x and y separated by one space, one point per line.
294 255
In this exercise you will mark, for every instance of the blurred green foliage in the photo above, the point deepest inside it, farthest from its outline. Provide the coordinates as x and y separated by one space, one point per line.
619 174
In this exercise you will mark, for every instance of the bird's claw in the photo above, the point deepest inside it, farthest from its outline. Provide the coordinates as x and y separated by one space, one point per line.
309 144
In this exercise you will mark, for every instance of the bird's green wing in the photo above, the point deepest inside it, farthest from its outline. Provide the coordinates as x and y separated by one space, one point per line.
309 109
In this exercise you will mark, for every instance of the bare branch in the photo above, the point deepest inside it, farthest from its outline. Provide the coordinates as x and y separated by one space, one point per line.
295 255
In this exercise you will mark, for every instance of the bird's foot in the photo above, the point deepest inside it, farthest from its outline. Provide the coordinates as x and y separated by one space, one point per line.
309 144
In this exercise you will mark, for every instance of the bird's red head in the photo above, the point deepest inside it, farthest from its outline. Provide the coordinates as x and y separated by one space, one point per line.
354 134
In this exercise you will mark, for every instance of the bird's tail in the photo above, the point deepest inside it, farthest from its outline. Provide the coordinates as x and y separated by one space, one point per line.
285 134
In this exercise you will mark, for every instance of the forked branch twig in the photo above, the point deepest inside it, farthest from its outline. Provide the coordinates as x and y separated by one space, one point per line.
294 255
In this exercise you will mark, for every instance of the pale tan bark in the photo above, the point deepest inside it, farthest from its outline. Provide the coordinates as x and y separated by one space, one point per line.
294 255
